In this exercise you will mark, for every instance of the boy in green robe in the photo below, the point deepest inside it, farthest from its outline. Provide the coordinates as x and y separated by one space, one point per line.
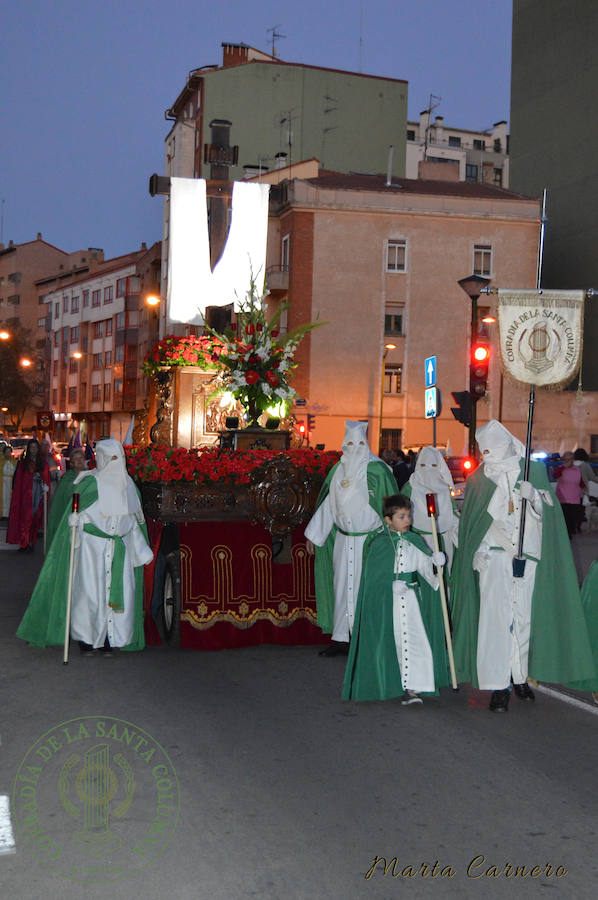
397 645
64 492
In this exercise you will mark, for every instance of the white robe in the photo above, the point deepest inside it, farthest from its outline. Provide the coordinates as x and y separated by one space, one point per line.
92 618
7 467
353 513
506 601
413 647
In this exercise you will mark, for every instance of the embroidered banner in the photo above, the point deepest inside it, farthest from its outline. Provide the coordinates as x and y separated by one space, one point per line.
540 335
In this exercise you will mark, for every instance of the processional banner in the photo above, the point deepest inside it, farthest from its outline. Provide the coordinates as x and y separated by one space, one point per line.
541 335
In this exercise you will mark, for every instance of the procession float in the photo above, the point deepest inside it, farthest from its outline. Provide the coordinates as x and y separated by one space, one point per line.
227 487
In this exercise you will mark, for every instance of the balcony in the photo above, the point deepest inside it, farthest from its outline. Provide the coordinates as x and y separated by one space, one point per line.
277 279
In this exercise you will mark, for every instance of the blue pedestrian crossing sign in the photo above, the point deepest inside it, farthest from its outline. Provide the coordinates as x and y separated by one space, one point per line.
431 403
430 369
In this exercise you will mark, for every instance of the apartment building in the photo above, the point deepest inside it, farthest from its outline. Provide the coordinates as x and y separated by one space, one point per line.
480 157
99 331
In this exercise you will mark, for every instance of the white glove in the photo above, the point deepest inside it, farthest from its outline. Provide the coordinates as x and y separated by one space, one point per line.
439 559
45 488
527 490
73 519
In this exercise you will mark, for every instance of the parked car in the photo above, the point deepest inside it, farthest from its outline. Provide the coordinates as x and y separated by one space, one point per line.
18 445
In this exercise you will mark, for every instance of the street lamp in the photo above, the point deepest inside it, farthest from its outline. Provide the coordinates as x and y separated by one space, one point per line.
25 362
387 347
473 286
4 335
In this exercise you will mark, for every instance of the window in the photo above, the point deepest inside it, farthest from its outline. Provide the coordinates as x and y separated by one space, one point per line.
396 256
108 330
74 334
109 294
56 338
85 298
119 354
134 284
132 318
497 145
121 287
73 365
497 177
393 320
95 298
98 329
65 304
107 391
120 320
108 359
285 252
482 260
118 386
594 443
75 304
392 439
96 392
454 141
131 352
41 322
83 392
56 310
72 395
410 134
55 397
55 367
97 360
479 145
42 299
14 300
471 172
393 373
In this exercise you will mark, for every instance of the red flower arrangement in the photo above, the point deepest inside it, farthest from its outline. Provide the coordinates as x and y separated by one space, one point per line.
182 351
206 465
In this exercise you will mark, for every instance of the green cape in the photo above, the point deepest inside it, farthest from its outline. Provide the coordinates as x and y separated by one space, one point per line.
559 649
61 500
373 671
45 617
381 483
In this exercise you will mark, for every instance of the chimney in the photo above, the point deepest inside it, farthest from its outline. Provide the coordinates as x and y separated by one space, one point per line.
39 235
234 54
143 245
280 160
439 126
11 244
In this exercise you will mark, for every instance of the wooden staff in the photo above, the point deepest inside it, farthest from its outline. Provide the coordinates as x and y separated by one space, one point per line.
431 505
67 625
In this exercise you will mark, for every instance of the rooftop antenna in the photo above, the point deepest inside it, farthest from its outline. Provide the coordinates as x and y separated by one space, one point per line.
434 102
361 36
276 36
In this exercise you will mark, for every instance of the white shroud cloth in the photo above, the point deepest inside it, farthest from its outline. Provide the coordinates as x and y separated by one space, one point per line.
346 506
505 601
413 647
117 511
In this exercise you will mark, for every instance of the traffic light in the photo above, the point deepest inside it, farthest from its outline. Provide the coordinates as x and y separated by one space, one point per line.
462 412
478 369
311 423
300 426
469 464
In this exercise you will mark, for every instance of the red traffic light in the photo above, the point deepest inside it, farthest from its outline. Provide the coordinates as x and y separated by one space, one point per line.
478 369
469 464
481 353
300 426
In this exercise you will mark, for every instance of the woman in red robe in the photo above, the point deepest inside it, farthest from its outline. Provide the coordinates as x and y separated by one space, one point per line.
31 481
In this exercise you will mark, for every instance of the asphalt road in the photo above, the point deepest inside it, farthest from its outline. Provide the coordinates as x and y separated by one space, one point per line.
246 776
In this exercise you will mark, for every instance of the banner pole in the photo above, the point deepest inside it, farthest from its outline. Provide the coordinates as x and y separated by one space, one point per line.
519 560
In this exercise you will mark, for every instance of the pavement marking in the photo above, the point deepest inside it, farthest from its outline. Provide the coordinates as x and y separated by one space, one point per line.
573 701
7 841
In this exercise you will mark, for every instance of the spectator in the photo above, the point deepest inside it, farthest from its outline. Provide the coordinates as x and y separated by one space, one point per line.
569 490
31 482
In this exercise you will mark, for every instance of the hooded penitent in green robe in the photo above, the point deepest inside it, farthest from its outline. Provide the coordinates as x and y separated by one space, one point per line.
381 484
61 500
406 491
45 617
373 671
559 649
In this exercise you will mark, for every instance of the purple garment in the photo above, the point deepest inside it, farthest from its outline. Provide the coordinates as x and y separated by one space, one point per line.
568 488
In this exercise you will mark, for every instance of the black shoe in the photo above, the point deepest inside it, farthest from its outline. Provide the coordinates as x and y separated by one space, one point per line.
524 691
410 697
337 648
499 701
106 650
86 649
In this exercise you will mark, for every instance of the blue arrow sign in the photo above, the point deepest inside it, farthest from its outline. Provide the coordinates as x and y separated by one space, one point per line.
430 403
430 370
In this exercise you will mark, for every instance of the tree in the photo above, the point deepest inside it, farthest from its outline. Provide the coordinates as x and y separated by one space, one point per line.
19 388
